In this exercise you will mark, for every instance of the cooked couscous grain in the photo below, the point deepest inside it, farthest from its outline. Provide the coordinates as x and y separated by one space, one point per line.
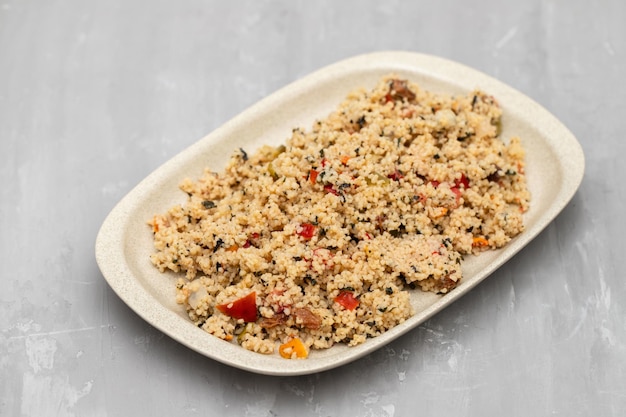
319 241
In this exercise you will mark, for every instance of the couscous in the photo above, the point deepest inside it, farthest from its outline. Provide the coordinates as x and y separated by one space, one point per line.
319 241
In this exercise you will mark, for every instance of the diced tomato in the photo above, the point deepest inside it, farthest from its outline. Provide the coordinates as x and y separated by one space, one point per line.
243 308
434 183
460 184
347 300
462 181
330 189
276 303
323 162
306 230
396 175
251 237
313 176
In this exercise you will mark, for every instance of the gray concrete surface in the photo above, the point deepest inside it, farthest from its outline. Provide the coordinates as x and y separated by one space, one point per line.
94 95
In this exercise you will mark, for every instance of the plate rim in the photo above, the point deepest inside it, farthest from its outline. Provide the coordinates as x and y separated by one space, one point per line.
109 247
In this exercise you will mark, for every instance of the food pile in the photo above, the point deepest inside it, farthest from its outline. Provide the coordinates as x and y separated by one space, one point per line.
319 241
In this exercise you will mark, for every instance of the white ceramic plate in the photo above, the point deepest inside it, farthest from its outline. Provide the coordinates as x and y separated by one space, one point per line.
555 166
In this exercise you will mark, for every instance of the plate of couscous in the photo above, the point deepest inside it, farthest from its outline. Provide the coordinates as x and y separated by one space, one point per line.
339 213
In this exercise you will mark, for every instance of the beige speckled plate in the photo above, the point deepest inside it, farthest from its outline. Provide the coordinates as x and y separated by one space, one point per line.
555 166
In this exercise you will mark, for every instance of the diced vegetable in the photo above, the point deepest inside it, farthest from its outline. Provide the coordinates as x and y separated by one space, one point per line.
306 230
479 241
463 181
330 189
277 151
242 336
272 171
251 238
313 176
396 175
442 212
292 348
243 308
498 124
347 300
280 149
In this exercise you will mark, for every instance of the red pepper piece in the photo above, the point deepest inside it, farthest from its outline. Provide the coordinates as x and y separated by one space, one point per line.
396 175
243 308
250 239
330 189
459 185
347 300
306 230
313 176
462 181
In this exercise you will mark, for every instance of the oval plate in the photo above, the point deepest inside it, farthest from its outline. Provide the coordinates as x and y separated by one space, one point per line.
554 166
